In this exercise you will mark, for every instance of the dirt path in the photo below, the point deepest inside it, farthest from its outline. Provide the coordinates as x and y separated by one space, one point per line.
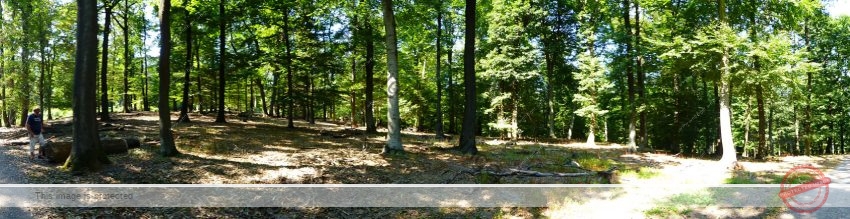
838 203
632 202
11 162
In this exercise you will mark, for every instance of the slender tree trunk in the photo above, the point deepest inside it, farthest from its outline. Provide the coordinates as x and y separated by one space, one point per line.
641 91
127 59
842 134
3 70
25 85
86 151
746 127
145 103
762 146
353 91
630 78
550 98
394 120
260 87
166 144
104 97
677 120
222 58
776 151
252 100
514 110
467 137
42 68
808 122
276 99
439 127
591 127
450 91
370 73
289 94
49 102
311 113
199 93
796 132
184 108
550 69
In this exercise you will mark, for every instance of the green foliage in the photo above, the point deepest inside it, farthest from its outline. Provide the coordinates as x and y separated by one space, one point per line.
592 84
792 50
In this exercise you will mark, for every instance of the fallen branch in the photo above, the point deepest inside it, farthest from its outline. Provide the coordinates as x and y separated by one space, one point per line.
607 174
531 173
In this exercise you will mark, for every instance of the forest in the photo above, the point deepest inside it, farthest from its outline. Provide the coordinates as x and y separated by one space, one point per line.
699 78
440 92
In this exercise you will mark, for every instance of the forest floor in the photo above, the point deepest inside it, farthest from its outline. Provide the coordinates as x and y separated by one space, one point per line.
264 151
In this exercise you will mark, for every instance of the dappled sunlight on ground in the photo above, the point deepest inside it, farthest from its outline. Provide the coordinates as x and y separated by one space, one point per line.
264 151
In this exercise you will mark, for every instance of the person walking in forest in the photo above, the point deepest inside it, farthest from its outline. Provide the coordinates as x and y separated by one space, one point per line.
34 127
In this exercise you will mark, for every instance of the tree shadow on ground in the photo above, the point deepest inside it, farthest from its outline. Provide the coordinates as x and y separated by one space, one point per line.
264 151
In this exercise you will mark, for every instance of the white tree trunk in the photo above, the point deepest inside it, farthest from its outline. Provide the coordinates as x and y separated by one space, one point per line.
729 157
393 117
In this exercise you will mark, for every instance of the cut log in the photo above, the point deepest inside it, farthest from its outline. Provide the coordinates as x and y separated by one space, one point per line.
57 152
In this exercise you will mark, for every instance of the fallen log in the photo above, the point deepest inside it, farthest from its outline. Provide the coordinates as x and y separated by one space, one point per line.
609 175
57 152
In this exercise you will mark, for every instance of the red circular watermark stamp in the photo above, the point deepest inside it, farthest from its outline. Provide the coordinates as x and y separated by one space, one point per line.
808 196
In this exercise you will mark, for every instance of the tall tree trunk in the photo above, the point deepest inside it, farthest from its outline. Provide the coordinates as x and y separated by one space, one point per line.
467 137
104 97
145 103
677 123
729 156
199 93
290 106
796 132
353 91
808 122
127 59
762 146
276 99
761 149
439 127
25 64
746 127
222 22
166 144
775 151
641 91
548 40
5 118
514 110
370 74
630 78
86 151
450 89
49 95
393 117
311 113
550 98
184 108
42 68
